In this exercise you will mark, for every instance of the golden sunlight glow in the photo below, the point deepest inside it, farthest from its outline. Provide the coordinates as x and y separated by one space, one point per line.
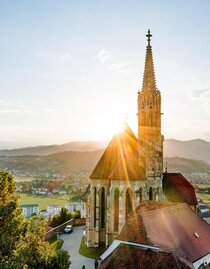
112 123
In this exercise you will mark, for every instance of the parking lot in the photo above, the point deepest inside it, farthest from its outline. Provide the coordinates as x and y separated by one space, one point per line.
72 244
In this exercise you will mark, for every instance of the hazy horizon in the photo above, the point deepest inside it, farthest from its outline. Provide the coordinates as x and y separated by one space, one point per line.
105 141
70 71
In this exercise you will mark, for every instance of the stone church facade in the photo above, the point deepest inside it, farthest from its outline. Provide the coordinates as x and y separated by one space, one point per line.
130 169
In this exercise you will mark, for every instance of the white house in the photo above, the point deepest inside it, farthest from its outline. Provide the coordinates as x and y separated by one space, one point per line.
53 209
30 210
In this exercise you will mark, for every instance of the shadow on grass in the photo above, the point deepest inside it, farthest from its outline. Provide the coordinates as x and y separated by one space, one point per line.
92 253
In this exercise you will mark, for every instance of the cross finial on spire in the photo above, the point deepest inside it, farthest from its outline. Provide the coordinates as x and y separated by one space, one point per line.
148 37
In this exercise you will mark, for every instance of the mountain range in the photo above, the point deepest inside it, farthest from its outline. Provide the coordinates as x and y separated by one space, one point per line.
79 146
196 149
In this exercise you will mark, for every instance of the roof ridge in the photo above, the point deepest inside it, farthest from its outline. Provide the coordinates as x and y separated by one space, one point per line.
165 209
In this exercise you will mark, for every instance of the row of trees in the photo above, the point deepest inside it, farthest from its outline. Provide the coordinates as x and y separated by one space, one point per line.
22 244
64 216
50 185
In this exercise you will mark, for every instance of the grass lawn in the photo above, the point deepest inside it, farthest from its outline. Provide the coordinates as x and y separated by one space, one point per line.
202 186
55 243
92 253
205 197
42 201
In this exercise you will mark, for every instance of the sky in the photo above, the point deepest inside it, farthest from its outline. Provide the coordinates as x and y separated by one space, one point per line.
70 70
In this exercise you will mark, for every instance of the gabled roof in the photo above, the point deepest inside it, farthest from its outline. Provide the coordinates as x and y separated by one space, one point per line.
128 168
131 257
120 159
178 189
173 227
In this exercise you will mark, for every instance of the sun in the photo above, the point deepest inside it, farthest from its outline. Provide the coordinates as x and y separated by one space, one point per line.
110 124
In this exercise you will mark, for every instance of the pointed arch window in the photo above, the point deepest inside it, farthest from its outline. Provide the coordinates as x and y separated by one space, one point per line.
116 210
128 202
94 205
150 193
102 208
140 195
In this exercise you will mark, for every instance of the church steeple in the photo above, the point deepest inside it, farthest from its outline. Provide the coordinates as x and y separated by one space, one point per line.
149 118
149 83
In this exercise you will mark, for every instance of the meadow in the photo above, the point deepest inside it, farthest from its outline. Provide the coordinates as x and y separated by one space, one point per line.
19 179
42 201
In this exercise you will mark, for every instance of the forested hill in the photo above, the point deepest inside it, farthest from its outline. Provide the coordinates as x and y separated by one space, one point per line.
64 162
80 146
67 162
193 149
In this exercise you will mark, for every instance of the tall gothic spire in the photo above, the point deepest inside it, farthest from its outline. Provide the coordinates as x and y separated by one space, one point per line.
149 83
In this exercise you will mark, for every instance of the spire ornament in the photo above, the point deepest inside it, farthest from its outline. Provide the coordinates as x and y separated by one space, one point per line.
148 37
149 83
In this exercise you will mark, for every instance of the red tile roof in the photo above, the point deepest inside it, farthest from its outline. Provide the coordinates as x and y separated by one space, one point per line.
178 189
134 229
120 159
130 257
172 227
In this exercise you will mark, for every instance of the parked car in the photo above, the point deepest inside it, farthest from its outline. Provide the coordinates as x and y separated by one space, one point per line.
68 229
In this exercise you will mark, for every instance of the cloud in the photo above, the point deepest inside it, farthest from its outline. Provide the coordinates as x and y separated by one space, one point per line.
202 96
121 67
201 93
53 56
8 108
3 103
104 56
62 56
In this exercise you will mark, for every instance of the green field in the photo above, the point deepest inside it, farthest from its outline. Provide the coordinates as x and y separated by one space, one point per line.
202 186
18 179
205 197
42 201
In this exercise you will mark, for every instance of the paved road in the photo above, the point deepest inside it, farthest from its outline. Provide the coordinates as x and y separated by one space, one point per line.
72 244
207 220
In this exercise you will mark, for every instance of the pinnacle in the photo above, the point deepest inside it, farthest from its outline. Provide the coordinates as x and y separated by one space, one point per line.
149 82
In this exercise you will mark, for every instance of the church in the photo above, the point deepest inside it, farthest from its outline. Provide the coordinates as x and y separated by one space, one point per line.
130 170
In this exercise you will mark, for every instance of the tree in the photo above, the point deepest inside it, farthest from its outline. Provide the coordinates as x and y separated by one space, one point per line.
77 214
59 219
64 215
22 244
